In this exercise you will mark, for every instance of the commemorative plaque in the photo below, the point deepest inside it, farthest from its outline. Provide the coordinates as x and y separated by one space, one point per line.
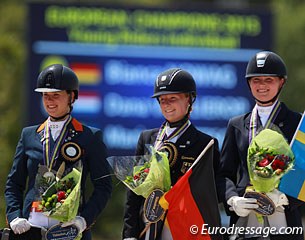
153 212
266 206
58 232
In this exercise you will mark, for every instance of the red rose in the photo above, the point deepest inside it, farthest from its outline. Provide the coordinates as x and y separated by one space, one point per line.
136 177
278 164
264 162
61 195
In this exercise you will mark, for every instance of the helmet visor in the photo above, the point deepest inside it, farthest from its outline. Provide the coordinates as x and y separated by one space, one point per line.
47 90
158 94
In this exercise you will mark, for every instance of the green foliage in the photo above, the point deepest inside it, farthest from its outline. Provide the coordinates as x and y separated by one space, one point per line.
289 37
12 60
109 225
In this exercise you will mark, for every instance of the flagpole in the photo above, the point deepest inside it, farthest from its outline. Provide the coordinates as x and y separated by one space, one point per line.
296 131
202 153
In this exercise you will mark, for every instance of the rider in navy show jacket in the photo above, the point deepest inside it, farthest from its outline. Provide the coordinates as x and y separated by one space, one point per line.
74 142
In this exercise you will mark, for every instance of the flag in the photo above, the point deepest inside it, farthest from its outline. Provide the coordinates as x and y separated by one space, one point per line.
88 102
293 183
192 201
87 73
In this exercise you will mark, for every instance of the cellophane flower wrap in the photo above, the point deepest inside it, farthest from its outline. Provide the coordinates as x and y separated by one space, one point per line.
60 198
142 174
269 158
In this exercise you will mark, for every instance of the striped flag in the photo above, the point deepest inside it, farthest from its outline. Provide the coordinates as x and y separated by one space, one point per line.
87 73
293 183
192 201
88 102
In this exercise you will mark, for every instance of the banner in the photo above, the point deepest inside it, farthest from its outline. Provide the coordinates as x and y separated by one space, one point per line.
192 201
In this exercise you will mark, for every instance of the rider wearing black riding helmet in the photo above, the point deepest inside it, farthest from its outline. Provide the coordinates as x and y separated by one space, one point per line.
56 78
175 90
49 151
266 75
265 68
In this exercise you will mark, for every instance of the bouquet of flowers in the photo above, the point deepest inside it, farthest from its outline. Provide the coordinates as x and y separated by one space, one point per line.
59 197
269 158
142 174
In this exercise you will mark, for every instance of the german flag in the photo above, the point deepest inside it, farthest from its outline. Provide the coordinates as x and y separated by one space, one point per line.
192 202
87 73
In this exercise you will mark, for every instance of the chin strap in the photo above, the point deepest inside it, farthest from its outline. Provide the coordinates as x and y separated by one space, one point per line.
180 122
272 100
61 117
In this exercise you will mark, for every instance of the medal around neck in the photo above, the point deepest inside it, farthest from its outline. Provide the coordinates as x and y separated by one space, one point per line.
266 206
58 232
153 212
49 176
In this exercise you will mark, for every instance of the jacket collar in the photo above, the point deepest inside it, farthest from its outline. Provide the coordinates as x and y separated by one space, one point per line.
279 121
75 124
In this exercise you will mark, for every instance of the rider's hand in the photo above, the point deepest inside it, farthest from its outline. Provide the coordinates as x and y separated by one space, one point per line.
242 206
20 225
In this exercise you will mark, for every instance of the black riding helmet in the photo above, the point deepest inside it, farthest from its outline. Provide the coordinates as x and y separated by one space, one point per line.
57 78
175 80
266 63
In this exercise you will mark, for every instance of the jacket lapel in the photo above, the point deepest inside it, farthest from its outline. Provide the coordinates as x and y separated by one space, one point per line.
187 139
73 128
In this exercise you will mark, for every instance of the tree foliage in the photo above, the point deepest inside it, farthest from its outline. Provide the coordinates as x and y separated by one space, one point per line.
289 41
12 61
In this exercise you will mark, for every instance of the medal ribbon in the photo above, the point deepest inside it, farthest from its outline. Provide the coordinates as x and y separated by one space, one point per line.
162 135
254 120
49 156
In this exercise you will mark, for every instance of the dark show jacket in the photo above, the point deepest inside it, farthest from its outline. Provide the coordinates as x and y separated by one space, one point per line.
233 177
29 154
190 144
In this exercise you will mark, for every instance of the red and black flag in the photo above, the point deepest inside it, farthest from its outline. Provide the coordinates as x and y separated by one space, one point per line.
192 202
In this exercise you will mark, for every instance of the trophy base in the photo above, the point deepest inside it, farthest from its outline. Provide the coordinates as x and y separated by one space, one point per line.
153 212
57 232
266 205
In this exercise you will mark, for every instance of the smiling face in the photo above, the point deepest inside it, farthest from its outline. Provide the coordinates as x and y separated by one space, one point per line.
174 107
264 88
56 104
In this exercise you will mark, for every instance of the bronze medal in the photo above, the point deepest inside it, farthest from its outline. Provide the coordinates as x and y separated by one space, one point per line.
266 205
172 152
71 151
153 212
